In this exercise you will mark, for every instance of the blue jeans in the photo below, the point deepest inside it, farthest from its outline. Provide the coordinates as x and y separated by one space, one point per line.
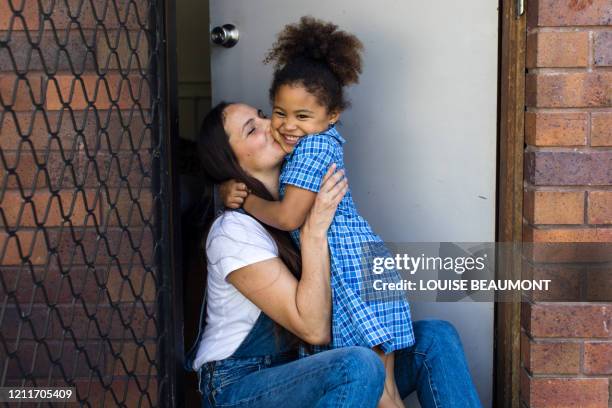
434 366
348 377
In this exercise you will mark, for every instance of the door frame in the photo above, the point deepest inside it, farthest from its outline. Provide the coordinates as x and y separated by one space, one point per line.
511 139
509 207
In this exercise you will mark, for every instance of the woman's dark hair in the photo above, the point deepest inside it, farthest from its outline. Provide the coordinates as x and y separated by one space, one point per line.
315 54
219 164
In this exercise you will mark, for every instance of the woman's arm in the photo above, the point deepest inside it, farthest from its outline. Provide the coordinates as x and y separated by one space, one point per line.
303 307
286 215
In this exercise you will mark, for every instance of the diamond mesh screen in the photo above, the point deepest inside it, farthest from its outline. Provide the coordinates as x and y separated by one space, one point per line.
84 200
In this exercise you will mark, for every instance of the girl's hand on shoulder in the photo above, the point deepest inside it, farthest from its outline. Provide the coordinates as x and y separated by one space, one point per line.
233 193
333 188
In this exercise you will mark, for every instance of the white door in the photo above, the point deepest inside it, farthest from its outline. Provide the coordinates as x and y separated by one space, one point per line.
421 133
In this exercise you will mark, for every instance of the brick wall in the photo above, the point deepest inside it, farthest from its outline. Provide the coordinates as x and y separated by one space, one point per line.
77 276
566 345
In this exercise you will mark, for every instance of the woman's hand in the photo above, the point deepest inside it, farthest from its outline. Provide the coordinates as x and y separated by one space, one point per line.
233 193
333 188
302 306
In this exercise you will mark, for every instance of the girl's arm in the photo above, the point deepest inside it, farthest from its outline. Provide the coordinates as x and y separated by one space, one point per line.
286 215
310 162
302 307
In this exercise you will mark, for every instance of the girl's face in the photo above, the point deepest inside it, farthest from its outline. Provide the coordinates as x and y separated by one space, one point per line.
251 139
297 113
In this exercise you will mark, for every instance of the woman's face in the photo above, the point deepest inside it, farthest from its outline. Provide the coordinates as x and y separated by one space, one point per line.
251 139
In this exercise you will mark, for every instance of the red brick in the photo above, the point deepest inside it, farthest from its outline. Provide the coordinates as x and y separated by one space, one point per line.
115 130
21 94
77 362
565 284
123 392
556 129
114 359
557 49
131 14
128 322
563 245
524 391
601 129
115 170
569 12
25 359
28 10
48 284
24 126
48 210
563 168
597 358
116 324
54 169
60 51
600 207
120 207
525 350
554 207
603 48
564 392
571 235
599 284
31 323
135 360
101 92
558 320
112 244
582 89
551 358
32 245
120 53
111 170
98 131
130 284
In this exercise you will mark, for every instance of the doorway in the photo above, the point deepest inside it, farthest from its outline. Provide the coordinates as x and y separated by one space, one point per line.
439 160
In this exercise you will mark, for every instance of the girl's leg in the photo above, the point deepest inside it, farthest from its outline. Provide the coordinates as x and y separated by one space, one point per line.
435 367
391 397
347 377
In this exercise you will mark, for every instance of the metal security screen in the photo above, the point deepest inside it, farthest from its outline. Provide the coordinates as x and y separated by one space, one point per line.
86 201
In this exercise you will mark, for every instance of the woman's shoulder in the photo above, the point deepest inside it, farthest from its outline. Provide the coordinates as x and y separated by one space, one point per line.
237 239
235 223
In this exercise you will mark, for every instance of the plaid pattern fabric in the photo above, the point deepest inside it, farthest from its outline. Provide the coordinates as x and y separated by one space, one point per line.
355 322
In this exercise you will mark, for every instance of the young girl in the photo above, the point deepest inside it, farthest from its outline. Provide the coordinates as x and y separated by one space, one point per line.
314 61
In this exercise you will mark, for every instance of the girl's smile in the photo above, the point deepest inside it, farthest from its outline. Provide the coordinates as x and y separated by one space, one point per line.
297 113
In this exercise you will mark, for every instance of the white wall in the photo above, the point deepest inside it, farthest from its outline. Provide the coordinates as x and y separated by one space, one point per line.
421 134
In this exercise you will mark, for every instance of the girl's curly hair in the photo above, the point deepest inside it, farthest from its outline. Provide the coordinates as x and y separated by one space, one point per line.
319 56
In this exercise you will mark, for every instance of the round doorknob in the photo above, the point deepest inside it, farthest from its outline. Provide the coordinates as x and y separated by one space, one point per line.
226 35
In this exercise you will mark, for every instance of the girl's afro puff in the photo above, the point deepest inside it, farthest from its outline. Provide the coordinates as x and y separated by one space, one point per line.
320 41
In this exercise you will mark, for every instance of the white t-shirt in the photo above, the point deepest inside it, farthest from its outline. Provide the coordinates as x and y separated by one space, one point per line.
235 240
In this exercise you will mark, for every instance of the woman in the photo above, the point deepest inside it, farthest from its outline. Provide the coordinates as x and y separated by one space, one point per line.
257 288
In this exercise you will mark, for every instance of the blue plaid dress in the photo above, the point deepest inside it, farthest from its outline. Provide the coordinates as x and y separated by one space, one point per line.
355 321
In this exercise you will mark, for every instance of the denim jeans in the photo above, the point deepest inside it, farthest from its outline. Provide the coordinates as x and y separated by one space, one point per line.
434 366
350 377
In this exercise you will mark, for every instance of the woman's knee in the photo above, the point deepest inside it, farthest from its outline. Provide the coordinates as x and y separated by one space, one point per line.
434 334
362 365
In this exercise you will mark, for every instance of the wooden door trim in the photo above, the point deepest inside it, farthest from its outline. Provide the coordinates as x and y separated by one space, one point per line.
511 106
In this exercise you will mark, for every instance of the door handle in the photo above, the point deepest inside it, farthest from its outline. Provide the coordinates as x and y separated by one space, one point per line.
226 35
